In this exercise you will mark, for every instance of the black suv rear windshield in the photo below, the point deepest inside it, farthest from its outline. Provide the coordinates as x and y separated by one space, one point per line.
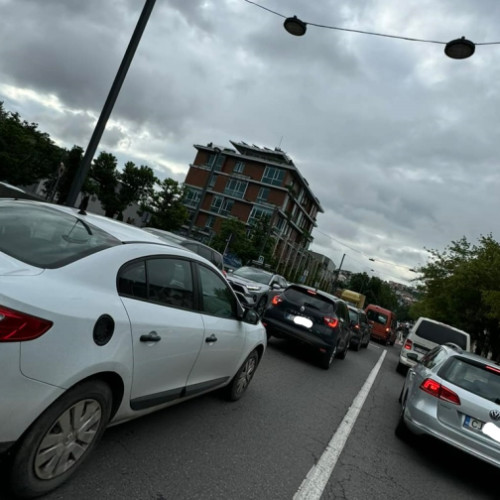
301 296
44 237
478 378
440 334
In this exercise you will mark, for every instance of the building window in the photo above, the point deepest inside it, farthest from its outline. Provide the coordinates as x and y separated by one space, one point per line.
236 188
263 195
216 204
227 206
257 213
239 167
221 205
193 197
212 182
219 161
209 224
273 175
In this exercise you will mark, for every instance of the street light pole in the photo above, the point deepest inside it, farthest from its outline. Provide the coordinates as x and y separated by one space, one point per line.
84 167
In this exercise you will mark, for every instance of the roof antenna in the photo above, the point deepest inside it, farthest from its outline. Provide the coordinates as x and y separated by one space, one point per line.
279 145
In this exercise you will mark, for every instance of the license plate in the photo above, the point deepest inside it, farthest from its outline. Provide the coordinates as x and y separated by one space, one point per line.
300 320
473 423
420 350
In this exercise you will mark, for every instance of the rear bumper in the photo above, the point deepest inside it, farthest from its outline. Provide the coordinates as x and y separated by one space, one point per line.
279 329
405 361
421 418
23 399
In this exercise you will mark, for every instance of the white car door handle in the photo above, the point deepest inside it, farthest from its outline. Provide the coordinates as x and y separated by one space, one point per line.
210 339
150 337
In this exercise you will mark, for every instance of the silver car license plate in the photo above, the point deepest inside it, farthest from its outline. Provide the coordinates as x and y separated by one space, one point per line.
473 423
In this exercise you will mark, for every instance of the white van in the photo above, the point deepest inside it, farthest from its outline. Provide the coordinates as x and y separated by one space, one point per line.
426 334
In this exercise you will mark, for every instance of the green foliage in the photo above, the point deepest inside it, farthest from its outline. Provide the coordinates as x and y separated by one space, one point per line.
136 185
461 287
376 291
118 190
26 154
105 180
247 245
236 230
166 207
57 186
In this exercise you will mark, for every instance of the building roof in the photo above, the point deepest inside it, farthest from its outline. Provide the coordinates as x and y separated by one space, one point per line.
275 157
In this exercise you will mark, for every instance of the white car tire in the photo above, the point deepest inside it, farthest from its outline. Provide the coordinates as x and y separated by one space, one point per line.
61 438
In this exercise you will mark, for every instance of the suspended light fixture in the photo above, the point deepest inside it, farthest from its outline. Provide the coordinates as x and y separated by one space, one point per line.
461 48
295 26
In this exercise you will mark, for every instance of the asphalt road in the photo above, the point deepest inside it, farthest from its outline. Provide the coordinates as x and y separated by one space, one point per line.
263 446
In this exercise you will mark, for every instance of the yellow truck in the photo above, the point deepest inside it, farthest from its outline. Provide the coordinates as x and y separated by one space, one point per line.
358 299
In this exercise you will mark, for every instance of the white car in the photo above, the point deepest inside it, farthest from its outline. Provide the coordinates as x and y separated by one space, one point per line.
100 322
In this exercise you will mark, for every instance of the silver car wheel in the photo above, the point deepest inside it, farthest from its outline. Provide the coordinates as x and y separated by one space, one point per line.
68 439
246 374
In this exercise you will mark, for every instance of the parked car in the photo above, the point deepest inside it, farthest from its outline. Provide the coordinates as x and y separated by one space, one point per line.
383 323
425 334
360 327
312 317
197 247
100 322
454 396
255 287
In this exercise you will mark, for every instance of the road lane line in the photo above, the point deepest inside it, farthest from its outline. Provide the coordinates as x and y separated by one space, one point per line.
317 478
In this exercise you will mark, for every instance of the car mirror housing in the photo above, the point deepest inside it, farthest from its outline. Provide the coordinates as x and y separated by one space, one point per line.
251 316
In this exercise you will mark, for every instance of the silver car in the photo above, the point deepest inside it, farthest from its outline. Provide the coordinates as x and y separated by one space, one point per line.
256 287
454 396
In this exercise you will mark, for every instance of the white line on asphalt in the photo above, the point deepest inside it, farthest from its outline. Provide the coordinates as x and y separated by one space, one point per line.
315 482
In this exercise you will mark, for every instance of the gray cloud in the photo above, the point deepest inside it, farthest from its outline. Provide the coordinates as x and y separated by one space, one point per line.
397 141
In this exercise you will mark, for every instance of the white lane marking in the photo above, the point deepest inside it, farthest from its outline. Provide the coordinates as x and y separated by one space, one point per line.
317 478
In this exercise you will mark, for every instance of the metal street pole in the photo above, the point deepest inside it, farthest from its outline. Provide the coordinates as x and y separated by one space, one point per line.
337 273
84 167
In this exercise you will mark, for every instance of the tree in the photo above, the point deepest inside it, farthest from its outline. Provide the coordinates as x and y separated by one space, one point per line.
376 291
461 287
165 206
58 185
235 230
105 181
26 154
136 184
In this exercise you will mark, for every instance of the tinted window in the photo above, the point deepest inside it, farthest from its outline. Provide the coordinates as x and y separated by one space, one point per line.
44 237
132 280
353 315
440 334
362 317
434 357
170 282
217 297
473 376
377 317
309 299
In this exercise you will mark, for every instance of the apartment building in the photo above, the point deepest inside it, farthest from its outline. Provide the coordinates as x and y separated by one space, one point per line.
247 182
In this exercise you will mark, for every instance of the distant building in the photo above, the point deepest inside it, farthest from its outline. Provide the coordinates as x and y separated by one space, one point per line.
248 182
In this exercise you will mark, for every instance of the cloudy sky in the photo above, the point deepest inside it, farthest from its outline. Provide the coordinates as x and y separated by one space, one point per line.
399 142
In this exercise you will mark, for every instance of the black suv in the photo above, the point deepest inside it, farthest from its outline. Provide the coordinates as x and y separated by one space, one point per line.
361 329
313 317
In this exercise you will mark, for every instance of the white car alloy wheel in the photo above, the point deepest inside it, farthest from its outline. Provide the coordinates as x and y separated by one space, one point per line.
242 379
68 439
61 439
